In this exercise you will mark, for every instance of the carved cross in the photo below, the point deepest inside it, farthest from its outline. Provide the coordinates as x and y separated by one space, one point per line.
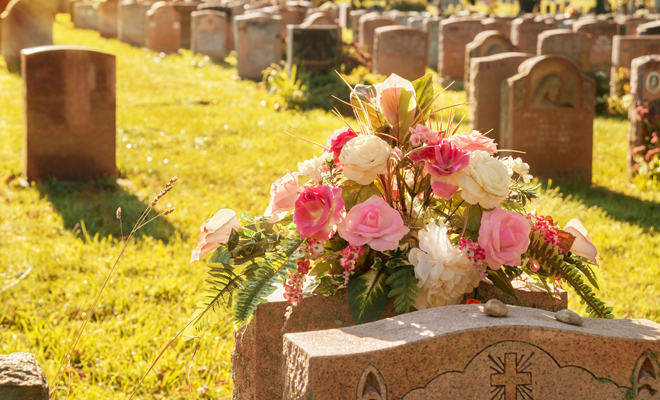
511 379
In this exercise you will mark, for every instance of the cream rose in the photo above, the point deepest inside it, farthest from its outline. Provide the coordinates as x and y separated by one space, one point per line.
517 166
312 168
364 157
215 232
485 181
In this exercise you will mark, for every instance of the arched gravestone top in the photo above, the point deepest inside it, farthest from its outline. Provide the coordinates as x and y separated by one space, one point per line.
400 50
209 33
318 19
572 45
486 43
645 91
459 353
163 28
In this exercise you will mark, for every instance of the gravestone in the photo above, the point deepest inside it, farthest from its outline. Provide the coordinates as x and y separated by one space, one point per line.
432 26
185 9
258 44
24 24
460 353
627 48
628 24
344 10
525 32
290 16
416 22
574 46
649 28
21 378
400 50
368 25
316 47
231 10
132 23
497 24
354 23
486 43
455 34
645 91
84 16
601 34
209 34
548 113
69 114
107 24
319 19
163 28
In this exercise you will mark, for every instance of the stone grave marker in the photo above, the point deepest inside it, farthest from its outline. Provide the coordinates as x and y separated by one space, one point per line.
645 91
649 28
368 25
525 32
185 9
628 24
344 10
400 50
258 44
497 24
354 23
69 113
107 24
319 19
21 378
163 28
84 16
231 10
627 48
574 46
432 26
459 353
486 77
548 113
416 22
132 23
290 16
601 34
455 34
315 47
24 24
486 43
209 34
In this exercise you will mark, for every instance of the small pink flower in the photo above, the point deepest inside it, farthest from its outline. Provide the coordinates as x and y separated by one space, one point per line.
374 223
504 235
422 135
283 196
318 211
474 141
442 158
215 231
338 139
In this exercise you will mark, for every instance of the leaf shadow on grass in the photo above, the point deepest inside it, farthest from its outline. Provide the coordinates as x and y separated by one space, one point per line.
95 206
620 206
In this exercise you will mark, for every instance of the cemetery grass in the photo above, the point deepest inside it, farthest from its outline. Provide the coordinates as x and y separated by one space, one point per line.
181 115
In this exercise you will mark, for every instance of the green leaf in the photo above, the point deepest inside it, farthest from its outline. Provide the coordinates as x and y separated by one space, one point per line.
501 281
321 268
404 287
324 286
367 294
353 193
424 93
220 256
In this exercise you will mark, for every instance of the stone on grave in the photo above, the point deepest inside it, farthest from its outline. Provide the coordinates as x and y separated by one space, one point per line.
459 353
574 46
400 50
354 23
601 34
319 19
69 113
368 25
84 16
107 24
627 48
455 34
132 22
257 355
24 24
209 34
645 91
525 32
315 47
163 28
548 113
486 43
185 9
649 28
21 378
486 77
258 44
432 26
497 24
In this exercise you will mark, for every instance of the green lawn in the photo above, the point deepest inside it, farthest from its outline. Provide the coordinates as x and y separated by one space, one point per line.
186 117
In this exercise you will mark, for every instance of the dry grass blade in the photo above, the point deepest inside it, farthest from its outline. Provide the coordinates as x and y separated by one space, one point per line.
20 278
192 359
308 141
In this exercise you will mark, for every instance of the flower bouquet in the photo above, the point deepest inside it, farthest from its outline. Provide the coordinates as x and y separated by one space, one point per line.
646 157
398 207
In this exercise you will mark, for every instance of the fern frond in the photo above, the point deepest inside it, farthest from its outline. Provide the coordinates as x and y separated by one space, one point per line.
404 287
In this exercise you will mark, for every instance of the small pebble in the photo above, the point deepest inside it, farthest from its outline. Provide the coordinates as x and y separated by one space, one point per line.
568 317
495 308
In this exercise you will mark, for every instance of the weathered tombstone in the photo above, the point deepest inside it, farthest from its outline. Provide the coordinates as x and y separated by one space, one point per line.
209 34
548 113
400 50
645 91
84 16
416 22
21 378
319 19
628 24
185 9
354 23
368 25
497 24
257 356
486 43
344 10
132 23
453 39
257 42
460 353
432 26
231 10
24 24
627 48
601 34
69 114
163 28
574 46
649 28
525 32
316 47
107 24
290 16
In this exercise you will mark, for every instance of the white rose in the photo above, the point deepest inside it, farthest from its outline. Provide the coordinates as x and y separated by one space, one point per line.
214 232
517 166
484 181
311 168
364 157
444 272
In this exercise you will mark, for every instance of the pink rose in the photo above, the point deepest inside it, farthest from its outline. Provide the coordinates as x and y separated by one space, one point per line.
338 139
283 196
319 209
422 135
442 158
215 231
504 235
474 141
374 223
